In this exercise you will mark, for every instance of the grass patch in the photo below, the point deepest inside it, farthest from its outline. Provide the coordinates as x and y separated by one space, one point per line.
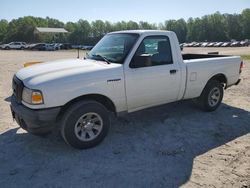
245 57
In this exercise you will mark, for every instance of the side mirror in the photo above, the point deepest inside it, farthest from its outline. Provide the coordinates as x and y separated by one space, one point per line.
143 60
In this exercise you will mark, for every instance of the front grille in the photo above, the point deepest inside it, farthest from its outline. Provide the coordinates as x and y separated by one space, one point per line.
17 87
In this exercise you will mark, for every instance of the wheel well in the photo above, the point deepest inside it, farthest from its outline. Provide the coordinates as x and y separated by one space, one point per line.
105 101
221 78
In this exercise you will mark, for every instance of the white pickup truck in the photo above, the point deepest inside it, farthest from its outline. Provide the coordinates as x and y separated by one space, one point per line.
125 72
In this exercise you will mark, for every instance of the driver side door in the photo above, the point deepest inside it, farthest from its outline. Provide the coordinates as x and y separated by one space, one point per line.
151 80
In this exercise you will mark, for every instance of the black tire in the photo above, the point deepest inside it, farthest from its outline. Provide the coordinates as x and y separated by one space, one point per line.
7 48
74 114
205 100
22 48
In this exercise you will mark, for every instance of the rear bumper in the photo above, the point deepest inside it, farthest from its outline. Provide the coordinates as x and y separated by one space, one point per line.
34 121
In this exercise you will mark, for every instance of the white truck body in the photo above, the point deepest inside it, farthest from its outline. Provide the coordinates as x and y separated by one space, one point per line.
125 72
131 89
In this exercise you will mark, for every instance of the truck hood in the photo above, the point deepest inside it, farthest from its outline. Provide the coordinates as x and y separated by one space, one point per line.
63 70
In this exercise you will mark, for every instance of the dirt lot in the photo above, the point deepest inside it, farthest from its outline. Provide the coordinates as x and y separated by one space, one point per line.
169 146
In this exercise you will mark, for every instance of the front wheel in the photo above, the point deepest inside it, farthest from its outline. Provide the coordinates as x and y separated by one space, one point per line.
211 96
85 124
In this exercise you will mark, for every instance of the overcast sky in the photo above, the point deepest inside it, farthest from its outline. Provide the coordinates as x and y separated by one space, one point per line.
153 11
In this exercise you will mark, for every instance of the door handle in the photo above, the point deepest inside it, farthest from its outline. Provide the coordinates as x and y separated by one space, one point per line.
173 71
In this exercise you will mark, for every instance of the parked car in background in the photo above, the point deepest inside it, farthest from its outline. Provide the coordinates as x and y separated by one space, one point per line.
244 43
82 47
75 46
85 47
211 44
194 44
218 44
38 46
198 44
181 46
28 46
225 44
204 44
58 46
235 44
66 46
50 47
14 45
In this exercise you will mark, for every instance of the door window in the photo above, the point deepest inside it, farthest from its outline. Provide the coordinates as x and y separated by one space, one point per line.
153 51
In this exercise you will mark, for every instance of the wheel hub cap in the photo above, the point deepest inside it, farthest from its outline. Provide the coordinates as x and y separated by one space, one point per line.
214 97
88 126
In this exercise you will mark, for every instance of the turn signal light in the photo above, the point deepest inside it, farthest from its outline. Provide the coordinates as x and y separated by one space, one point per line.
37 98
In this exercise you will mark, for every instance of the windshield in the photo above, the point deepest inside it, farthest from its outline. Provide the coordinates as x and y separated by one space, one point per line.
113 47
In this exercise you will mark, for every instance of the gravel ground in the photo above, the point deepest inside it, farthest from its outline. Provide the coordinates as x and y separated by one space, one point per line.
169 146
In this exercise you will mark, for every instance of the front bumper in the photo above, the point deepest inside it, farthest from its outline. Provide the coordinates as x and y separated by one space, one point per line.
39 121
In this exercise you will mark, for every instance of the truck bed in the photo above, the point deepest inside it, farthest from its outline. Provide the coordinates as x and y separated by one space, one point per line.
201 67
200 56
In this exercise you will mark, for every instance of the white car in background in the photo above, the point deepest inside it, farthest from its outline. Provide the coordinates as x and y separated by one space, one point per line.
14 45
58 46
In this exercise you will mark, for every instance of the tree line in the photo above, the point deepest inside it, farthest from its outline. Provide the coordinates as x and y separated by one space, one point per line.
213 27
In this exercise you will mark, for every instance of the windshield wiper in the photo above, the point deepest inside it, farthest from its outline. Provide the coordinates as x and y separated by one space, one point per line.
102 57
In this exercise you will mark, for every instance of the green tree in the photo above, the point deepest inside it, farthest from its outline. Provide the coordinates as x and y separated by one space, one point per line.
108 27
98 28
120 26
3 29
82 33
146 25
233 26
131 25
70 26
217 27
54 23
21 29
213 27
179 27
245 22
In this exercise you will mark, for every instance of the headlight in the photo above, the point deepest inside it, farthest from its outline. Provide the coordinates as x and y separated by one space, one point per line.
32 96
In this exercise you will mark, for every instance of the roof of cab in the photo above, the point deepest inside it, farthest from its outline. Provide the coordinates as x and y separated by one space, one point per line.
142 31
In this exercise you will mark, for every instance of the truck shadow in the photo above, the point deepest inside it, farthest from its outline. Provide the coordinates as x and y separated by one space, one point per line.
152 148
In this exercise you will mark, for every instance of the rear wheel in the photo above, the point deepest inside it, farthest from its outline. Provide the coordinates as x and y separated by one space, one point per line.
85 124
211 96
